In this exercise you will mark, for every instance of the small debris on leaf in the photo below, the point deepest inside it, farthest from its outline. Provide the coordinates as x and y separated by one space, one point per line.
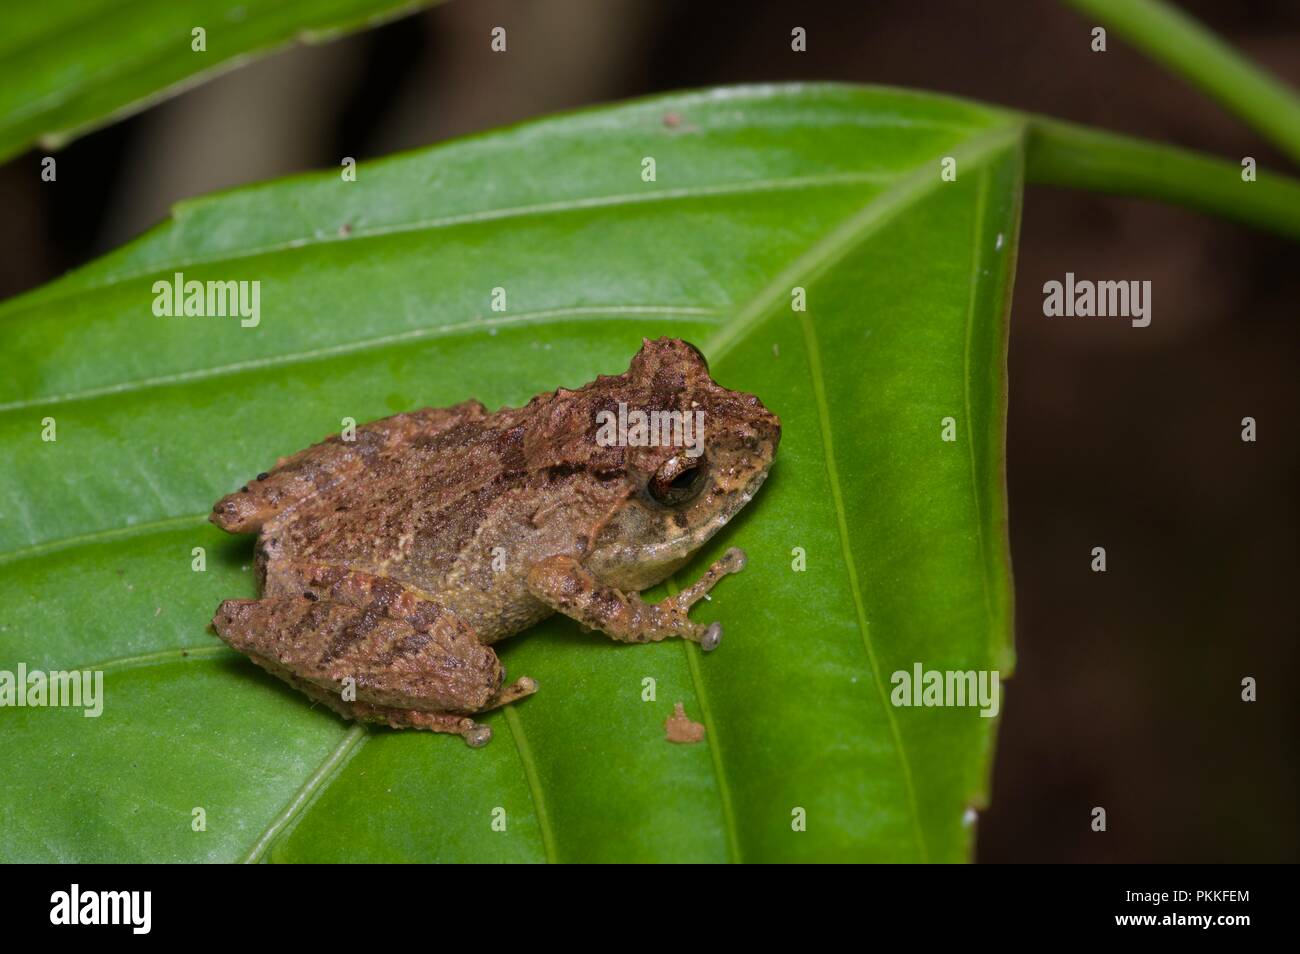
680 728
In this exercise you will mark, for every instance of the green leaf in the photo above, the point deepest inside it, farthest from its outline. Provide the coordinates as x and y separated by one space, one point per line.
71 66
375 299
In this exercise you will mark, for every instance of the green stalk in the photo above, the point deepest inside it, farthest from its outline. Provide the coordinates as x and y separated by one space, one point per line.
1063 154
1172 38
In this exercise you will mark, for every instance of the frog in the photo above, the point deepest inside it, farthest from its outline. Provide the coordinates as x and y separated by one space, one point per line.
392 558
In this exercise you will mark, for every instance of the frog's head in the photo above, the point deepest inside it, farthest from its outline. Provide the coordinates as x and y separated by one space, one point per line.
693 454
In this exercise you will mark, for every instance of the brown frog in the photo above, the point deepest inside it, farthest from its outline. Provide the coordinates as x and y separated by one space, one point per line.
390 563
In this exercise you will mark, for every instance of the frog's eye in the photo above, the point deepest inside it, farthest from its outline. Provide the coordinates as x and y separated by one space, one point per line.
678 481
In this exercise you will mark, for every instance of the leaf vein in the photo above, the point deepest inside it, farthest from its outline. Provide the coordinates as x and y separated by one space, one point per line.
363 344
715 745
162 656
320 780
534 782
101 536
977 258
837 498
790 183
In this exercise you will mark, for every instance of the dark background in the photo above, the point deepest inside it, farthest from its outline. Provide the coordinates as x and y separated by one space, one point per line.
1127 693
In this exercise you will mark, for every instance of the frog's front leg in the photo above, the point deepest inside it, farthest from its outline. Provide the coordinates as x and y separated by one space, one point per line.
565 585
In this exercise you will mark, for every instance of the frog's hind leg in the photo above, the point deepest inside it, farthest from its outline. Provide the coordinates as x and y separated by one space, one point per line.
395 599
476 735
521 688
303 475
565 585
430 673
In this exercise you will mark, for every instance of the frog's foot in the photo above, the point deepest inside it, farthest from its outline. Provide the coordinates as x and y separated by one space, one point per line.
475 734
317 469
569 588
521 688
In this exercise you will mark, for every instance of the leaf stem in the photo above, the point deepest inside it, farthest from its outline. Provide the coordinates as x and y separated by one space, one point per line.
1176 40
1063 154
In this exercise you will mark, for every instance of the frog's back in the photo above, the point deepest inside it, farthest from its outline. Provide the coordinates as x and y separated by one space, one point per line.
408 514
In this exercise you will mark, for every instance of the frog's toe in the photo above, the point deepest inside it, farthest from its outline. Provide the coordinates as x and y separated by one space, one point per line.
521 687
477 736
711 638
